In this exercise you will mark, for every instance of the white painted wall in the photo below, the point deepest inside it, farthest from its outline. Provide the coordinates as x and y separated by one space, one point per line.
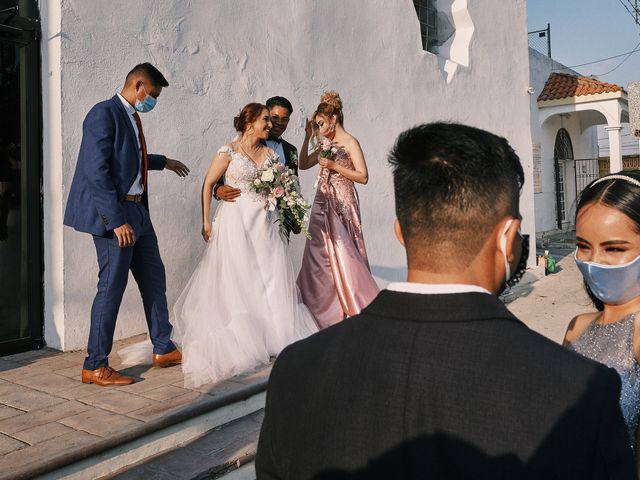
54 318
219 56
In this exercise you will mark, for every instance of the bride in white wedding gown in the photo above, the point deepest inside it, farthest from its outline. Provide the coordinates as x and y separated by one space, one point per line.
241 305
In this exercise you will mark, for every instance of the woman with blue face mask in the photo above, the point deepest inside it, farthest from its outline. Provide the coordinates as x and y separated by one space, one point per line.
608 256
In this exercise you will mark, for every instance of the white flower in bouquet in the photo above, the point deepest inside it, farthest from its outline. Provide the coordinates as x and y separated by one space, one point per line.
267 176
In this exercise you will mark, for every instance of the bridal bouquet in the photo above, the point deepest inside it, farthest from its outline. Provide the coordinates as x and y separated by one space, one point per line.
283 196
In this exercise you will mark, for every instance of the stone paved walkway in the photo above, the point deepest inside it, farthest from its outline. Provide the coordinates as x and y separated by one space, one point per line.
548 305
46 412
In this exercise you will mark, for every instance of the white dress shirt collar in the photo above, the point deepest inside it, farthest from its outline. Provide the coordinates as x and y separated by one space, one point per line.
435 288
137 188
278 148
127 106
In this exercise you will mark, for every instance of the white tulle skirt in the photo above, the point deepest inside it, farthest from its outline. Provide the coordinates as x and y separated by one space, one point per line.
241 305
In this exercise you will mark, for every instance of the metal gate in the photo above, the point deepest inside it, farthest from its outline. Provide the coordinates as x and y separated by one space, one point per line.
558 167
562 153
587 170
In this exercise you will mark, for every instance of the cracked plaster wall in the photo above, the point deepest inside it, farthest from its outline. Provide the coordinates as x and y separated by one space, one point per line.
220 55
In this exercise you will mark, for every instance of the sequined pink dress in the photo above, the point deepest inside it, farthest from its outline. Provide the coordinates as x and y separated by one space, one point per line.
335 279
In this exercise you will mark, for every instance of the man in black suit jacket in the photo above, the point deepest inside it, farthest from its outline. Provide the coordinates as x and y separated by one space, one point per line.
436 378
280 110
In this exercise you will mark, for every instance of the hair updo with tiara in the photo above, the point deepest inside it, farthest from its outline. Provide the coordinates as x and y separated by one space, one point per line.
620 191
249 114
331 104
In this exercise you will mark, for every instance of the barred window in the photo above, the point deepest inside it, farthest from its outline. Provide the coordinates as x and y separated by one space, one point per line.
435 27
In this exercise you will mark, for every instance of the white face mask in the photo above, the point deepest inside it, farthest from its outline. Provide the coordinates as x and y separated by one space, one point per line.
503 249
612 284
510 279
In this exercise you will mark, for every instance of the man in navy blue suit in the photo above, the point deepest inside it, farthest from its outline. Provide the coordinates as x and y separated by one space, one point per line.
109 200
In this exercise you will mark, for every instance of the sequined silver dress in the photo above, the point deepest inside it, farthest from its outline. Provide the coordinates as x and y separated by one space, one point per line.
612 345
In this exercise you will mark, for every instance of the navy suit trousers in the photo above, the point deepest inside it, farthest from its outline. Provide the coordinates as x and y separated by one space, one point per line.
143 259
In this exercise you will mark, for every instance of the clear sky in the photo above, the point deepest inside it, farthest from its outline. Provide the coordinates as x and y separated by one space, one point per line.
587 30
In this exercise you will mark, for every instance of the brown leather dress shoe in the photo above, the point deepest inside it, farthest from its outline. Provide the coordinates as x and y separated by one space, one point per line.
167 359
104 376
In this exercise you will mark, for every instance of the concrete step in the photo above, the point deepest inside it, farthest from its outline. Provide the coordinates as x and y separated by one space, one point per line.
104 459
226 452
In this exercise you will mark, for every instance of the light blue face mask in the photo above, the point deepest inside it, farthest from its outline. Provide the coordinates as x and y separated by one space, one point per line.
147 104
612 284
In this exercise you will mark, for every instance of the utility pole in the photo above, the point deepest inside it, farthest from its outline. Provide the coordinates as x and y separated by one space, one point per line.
549 39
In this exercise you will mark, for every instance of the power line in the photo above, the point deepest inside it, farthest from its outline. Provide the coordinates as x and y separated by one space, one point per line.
623 60
608 58
635 14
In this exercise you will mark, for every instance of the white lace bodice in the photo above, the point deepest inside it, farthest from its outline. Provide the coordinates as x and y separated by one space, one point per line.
242 171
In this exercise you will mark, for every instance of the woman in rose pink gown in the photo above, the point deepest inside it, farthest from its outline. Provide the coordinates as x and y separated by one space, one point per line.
335 279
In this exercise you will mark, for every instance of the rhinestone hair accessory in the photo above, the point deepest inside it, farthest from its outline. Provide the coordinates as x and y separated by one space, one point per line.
617 177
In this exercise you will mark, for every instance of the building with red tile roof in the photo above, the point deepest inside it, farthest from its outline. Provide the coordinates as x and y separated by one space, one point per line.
570 114
561 85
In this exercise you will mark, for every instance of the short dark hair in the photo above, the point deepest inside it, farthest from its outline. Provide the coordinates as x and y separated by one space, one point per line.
623 195
149 71
279 102
453 184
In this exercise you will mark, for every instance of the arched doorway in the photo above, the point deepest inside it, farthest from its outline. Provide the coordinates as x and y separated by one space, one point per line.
562 158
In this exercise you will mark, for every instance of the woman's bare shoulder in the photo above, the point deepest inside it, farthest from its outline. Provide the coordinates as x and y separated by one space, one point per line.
222 156
351 145
350 141
578 325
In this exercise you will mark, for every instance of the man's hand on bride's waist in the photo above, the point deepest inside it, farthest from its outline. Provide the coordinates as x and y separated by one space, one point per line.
227 193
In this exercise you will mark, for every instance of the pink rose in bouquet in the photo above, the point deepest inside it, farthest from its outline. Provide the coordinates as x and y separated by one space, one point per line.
325 144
